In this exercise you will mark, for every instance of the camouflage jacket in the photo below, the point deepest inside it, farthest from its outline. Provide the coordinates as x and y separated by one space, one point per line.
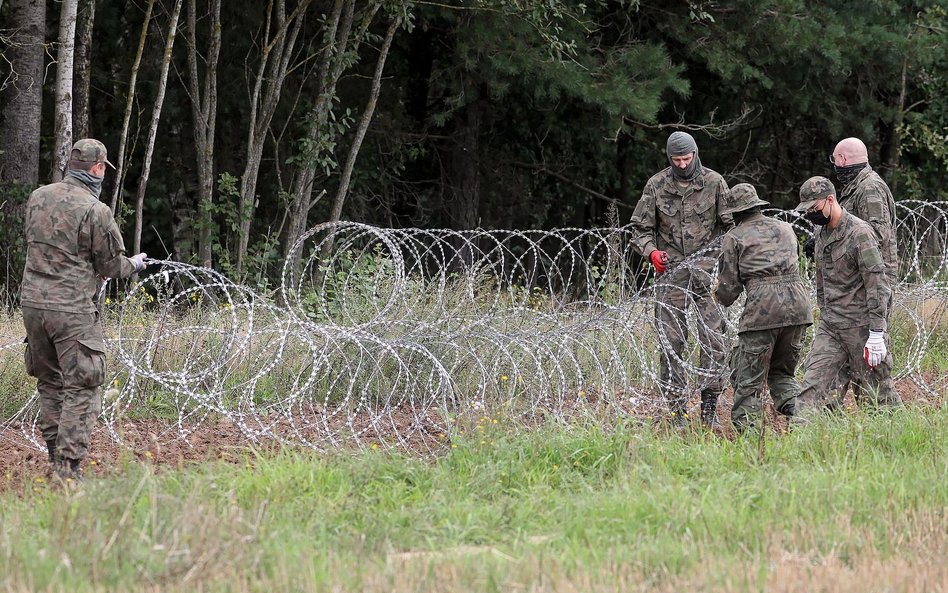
71 239
761 256
680 220
852 286
868 197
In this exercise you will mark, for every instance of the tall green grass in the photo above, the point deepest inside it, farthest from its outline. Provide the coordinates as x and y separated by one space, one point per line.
576 508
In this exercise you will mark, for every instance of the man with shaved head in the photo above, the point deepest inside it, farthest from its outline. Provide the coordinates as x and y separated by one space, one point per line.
864 194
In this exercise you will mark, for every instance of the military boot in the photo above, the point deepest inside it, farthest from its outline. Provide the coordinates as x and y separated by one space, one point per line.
709 409
68 471
51 448
53 459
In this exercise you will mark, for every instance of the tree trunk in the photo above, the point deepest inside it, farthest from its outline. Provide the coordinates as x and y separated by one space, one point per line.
62 120
892 147
343 191
341 42
305 175
465 163
204 114
129 105
275 58
23 99
153 129
83 69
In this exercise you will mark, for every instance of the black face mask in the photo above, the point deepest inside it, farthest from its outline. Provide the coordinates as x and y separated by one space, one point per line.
846 174
817 217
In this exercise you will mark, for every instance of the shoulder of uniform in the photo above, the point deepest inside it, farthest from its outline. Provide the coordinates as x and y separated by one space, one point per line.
660 177
860 228
873 180
100 209
780 224
742 230
711 174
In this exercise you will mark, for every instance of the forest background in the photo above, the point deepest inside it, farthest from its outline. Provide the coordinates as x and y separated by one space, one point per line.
235 125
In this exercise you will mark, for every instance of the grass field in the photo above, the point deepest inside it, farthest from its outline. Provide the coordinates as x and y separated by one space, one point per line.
855 503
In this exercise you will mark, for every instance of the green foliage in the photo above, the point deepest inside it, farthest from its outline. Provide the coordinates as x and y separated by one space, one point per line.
348 292
524 113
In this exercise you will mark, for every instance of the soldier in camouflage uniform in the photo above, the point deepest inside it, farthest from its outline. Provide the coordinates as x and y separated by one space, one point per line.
853 294
72 242
864 194
761 256
680 216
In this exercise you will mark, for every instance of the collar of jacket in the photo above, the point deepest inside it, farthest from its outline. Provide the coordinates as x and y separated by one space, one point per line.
671 183
850 188
76 183
754 216
831 236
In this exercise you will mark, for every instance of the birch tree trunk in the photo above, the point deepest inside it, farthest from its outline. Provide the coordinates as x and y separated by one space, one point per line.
341 44
153 129
83 68
366 119
62 121
204 113
275 58
22 110
129 104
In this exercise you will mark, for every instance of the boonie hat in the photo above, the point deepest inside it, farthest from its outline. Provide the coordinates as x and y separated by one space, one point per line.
742 197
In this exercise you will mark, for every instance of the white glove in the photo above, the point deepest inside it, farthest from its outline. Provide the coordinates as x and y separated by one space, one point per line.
139 261
875 351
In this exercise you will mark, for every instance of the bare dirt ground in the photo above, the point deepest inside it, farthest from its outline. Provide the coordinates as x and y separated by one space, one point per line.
23 469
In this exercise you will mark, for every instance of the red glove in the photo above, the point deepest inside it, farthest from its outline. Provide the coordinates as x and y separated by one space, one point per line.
659 260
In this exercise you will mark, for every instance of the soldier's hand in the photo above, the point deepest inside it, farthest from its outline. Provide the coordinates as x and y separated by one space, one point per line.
809 247
139 261
875 349
659 260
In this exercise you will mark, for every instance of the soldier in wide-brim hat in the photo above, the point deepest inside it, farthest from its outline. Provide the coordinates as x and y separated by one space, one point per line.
760 256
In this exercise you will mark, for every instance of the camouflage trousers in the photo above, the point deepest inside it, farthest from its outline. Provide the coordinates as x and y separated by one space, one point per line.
835 360
860 391
770 355
66 354
673 297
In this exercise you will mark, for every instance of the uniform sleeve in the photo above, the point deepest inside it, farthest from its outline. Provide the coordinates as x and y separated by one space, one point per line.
875 206
878 291
818 260
108 248
729 285
727 220
643 222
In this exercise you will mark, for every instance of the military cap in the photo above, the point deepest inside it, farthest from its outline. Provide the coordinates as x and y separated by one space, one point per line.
742 197
90 150
813 190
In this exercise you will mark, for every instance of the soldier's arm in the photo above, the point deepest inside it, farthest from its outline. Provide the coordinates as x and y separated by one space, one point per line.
108 248
728 286
875 206
874 279
643 222
727 220
820 302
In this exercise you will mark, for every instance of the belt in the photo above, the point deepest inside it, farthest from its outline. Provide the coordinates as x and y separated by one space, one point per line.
780 279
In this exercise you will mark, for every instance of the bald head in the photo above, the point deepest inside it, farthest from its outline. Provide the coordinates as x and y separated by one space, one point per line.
852 150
